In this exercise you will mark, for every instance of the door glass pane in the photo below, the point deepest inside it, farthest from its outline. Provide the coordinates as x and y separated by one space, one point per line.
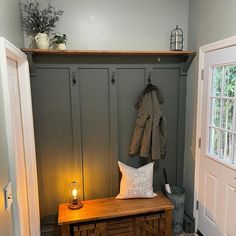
215 112
229 81
222 125
228 109
213 142
226 146
217 81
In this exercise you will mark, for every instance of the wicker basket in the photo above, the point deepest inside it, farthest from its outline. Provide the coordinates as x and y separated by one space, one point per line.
140 225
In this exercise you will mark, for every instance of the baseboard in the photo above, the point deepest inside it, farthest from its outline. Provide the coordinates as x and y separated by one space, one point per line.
199 233
189 223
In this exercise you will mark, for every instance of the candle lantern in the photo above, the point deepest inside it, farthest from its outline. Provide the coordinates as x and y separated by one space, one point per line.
74 193
176 39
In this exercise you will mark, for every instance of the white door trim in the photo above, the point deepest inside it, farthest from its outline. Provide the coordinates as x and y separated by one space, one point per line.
228 42
7 50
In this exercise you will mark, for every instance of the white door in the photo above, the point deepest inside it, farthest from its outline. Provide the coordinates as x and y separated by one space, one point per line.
18 119
217 167
17 158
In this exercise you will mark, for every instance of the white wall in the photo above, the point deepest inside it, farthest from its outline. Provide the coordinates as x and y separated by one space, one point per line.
123 24
209 21
10 28
10 22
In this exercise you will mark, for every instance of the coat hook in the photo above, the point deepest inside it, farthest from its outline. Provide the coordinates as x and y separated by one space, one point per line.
73 78
113 77
149 77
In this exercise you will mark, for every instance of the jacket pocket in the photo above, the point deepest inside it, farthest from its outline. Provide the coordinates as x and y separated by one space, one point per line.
142 119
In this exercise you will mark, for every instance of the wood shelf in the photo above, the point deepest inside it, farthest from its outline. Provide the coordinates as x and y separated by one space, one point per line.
184 58
108 52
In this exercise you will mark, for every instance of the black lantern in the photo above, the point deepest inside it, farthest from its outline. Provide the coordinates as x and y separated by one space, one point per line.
176 39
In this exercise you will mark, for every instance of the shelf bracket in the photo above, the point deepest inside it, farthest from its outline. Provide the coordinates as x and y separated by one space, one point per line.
30 57
185 65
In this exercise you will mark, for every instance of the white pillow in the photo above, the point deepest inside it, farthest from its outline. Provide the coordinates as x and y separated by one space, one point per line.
136 183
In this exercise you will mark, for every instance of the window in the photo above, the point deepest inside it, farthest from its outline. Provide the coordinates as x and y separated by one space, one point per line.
222 120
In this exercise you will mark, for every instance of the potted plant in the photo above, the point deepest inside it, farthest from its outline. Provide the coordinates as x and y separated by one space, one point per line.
39 22
60 40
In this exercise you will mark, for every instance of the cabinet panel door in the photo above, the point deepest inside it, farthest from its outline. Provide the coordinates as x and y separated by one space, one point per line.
54 137
95 131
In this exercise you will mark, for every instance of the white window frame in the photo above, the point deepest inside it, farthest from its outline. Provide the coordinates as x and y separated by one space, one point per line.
228 42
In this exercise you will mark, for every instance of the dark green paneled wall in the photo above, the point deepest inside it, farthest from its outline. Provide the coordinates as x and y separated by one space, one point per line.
84 123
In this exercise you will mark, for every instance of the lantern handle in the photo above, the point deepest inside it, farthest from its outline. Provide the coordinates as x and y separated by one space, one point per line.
176 28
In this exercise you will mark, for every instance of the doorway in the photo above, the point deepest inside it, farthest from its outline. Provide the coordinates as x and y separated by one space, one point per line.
215 189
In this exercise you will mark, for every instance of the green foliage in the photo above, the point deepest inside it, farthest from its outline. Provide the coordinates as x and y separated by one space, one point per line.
230 81
37 20
59 38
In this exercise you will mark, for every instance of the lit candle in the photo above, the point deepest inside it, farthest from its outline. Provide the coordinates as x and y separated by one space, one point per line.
74 193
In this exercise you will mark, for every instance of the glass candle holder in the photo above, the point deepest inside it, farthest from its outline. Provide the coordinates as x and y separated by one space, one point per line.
74 193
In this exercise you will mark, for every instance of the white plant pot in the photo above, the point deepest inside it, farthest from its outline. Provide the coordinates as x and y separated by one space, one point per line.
61 46
42 41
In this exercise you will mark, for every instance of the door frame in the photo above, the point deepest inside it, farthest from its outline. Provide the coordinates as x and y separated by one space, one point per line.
228 42
8 50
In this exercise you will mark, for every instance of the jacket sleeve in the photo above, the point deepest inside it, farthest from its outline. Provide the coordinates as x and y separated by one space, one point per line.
138 134
163 136
141 121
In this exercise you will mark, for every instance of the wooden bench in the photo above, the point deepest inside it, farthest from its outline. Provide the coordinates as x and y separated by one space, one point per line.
110 216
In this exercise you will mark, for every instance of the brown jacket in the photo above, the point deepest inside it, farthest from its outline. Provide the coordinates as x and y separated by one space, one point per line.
150 134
